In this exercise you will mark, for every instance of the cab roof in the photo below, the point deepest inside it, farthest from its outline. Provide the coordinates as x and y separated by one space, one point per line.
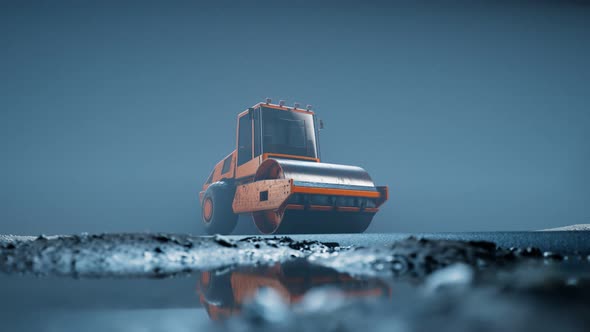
278 107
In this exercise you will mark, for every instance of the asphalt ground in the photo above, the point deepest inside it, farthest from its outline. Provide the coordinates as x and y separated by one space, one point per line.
562 242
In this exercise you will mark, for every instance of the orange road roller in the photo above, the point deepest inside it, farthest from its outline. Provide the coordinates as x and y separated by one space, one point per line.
223 295
275 175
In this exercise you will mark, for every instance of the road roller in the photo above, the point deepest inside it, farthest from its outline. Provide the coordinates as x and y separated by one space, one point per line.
275 175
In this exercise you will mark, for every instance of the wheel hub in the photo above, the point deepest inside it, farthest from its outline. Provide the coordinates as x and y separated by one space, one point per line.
207 209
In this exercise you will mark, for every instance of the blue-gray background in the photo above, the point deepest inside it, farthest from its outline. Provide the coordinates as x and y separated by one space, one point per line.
475 114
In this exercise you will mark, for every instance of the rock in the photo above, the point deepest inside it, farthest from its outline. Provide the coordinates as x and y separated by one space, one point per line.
267 307
223 241
552 255
321 300
456 275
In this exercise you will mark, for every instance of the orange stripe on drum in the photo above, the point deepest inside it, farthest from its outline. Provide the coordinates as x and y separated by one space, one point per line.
335 192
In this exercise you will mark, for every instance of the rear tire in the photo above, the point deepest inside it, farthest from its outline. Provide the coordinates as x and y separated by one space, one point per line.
216 208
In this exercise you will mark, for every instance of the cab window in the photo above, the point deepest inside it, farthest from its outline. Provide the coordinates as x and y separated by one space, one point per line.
244 139
226 165
288 133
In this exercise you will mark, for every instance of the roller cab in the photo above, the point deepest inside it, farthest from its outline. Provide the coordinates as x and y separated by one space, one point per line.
276 176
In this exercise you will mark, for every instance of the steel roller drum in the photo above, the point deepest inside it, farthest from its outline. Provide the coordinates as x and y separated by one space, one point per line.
312 172
320 175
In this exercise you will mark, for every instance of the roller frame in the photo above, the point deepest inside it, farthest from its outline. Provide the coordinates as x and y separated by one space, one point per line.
265 195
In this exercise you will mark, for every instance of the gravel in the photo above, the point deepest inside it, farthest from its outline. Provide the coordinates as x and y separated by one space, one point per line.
143 255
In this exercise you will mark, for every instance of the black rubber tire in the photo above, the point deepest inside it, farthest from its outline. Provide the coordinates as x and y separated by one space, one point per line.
222 219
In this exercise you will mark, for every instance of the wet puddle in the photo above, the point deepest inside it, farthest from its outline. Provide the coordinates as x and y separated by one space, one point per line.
299 295
49 303
182 303
224 293
172 283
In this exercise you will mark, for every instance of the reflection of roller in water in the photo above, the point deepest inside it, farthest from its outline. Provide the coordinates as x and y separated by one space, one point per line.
222 295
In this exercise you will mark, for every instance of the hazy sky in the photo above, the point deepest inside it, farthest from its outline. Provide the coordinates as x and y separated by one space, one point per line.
475 115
